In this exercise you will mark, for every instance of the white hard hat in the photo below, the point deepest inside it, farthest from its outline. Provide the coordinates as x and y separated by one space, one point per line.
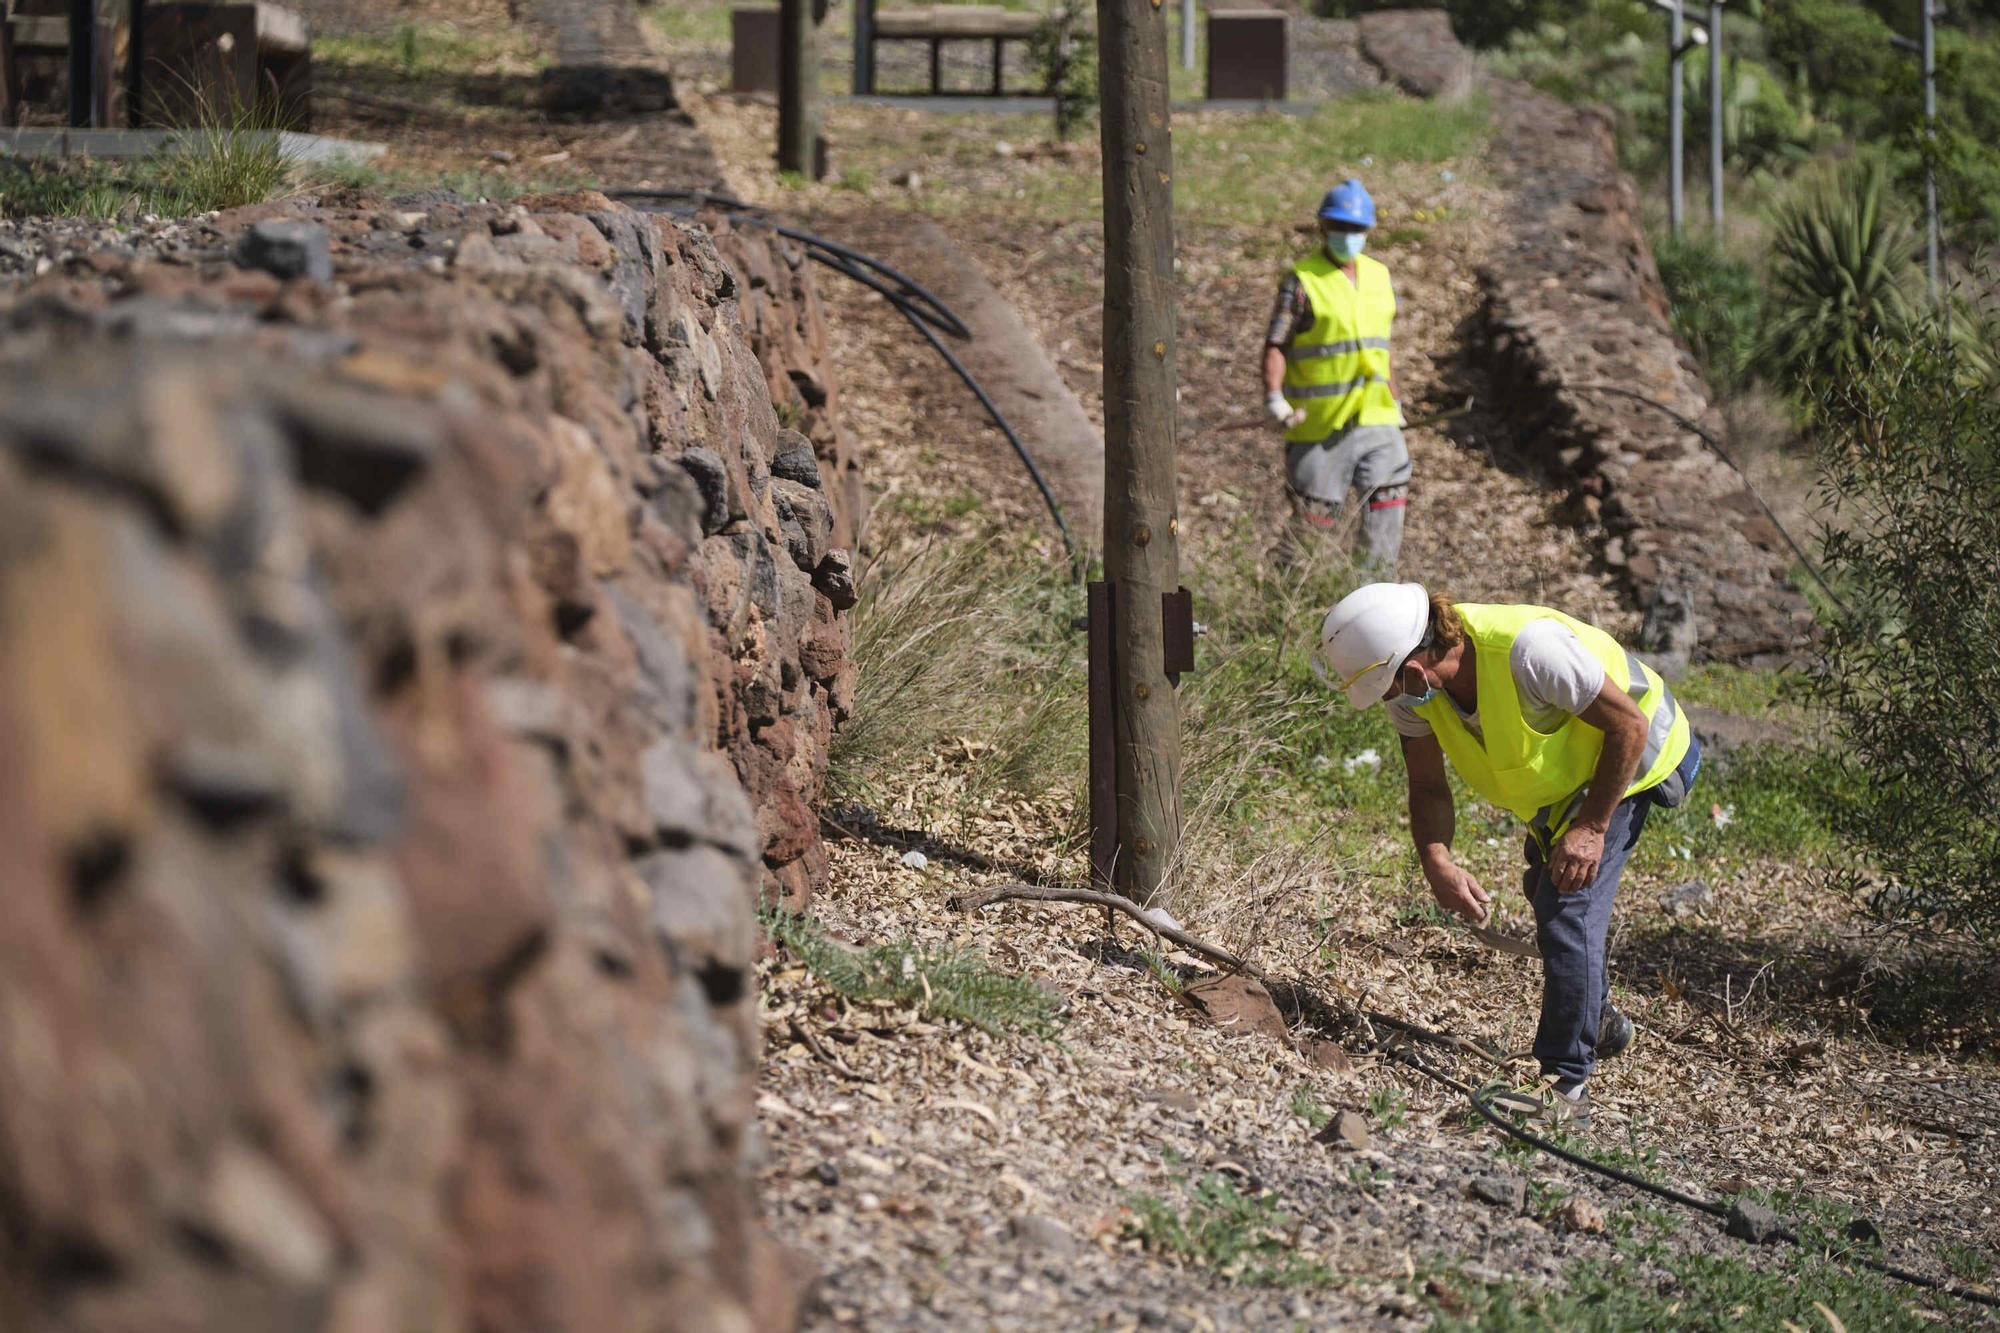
1369 633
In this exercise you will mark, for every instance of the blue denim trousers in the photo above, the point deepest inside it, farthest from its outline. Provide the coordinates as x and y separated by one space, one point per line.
1571 929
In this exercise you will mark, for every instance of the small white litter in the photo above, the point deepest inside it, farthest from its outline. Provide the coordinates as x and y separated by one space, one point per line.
915 860
1367 759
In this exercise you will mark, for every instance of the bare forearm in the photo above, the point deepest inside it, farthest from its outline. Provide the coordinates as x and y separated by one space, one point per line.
1433 821
1274 369
1616 764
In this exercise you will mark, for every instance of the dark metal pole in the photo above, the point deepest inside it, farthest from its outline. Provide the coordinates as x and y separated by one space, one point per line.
864 47
1676 199
1930 151
1715 116
798 91
82 63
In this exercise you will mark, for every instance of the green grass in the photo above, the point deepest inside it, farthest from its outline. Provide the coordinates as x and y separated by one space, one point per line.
1388 1107
1695 1292
1307 1108
1233 167
432 49
207 169
1241 1237
1739 690
942 984
469 184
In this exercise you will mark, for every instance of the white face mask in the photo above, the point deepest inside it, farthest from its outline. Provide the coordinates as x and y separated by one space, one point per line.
1344 247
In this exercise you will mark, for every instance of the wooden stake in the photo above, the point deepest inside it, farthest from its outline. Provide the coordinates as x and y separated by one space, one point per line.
1141 531
798 87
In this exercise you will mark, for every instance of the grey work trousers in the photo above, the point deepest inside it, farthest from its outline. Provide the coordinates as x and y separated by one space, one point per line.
1570 929
1370 460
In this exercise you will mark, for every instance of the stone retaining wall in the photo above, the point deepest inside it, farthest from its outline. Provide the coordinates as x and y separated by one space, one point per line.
1573 299
415 654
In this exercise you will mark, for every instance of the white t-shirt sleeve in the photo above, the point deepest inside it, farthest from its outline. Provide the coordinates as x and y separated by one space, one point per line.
1406 722
1553 670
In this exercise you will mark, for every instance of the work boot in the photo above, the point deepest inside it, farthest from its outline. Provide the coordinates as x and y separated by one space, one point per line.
1614 1032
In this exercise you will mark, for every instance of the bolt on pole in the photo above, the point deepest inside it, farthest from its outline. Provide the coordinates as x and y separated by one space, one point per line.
1715 117
1141 528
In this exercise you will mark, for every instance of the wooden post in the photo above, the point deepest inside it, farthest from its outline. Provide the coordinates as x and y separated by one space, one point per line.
1141 530
798 87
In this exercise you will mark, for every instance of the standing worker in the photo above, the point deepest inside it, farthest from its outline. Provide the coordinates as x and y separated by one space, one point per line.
1550 718
1327 381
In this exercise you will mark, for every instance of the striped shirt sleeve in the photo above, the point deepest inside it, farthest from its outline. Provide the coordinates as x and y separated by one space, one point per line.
1291 313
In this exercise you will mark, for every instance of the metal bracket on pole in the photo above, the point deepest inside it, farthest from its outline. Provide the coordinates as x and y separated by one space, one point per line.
1177 650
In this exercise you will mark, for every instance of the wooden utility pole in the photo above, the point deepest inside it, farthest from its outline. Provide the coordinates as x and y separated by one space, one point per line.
798 88
1141 531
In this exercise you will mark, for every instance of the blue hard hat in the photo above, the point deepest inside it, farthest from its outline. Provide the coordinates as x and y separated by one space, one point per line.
1348 202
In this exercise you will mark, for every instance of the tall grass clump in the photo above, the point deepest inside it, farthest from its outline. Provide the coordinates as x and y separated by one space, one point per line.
972 686
202 170
958 644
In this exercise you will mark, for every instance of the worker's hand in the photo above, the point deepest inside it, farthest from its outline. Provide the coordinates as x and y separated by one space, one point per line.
1457 891
1574 863
1281 411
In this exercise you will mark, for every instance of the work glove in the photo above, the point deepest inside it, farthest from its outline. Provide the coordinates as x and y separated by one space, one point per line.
1281 411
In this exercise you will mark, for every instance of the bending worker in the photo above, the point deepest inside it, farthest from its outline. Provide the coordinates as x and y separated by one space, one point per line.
1327 381
1545 716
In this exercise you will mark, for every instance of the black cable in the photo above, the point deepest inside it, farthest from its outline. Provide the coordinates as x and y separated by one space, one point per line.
1027 459
736 210
925 311
1672 1195
1715 446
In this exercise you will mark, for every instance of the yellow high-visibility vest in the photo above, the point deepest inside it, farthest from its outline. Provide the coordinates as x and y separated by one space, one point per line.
1337 371
1541 776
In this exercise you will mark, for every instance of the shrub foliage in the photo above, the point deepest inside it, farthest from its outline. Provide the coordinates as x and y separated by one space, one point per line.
1911 665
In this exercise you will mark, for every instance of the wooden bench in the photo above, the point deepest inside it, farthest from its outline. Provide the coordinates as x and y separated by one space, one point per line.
938 24
198 62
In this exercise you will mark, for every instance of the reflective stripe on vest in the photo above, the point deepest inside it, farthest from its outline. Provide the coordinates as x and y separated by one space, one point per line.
1337 371
1541 776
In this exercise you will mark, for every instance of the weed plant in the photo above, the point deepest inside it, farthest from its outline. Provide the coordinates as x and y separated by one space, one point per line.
943 984
1241 1237
203 170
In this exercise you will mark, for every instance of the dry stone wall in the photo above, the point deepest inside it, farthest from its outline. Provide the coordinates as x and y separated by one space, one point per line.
421 631
1573 300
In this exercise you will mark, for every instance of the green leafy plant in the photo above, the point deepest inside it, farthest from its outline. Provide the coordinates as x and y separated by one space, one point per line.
1243 1237
1714 302
1063 53
944 984
1307 1108
1841 279
1388 1107
1910 664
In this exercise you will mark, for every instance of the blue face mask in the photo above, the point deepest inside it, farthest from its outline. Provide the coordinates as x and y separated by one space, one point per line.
1344 247
1408 700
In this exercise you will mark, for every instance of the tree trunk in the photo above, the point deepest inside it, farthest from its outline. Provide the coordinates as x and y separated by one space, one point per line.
798 87
1141 532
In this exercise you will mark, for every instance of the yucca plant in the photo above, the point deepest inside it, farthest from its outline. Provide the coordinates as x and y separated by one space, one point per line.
1841 279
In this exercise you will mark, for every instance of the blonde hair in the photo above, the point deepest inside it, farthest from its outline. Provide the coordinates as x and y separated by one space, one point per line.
1446 630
